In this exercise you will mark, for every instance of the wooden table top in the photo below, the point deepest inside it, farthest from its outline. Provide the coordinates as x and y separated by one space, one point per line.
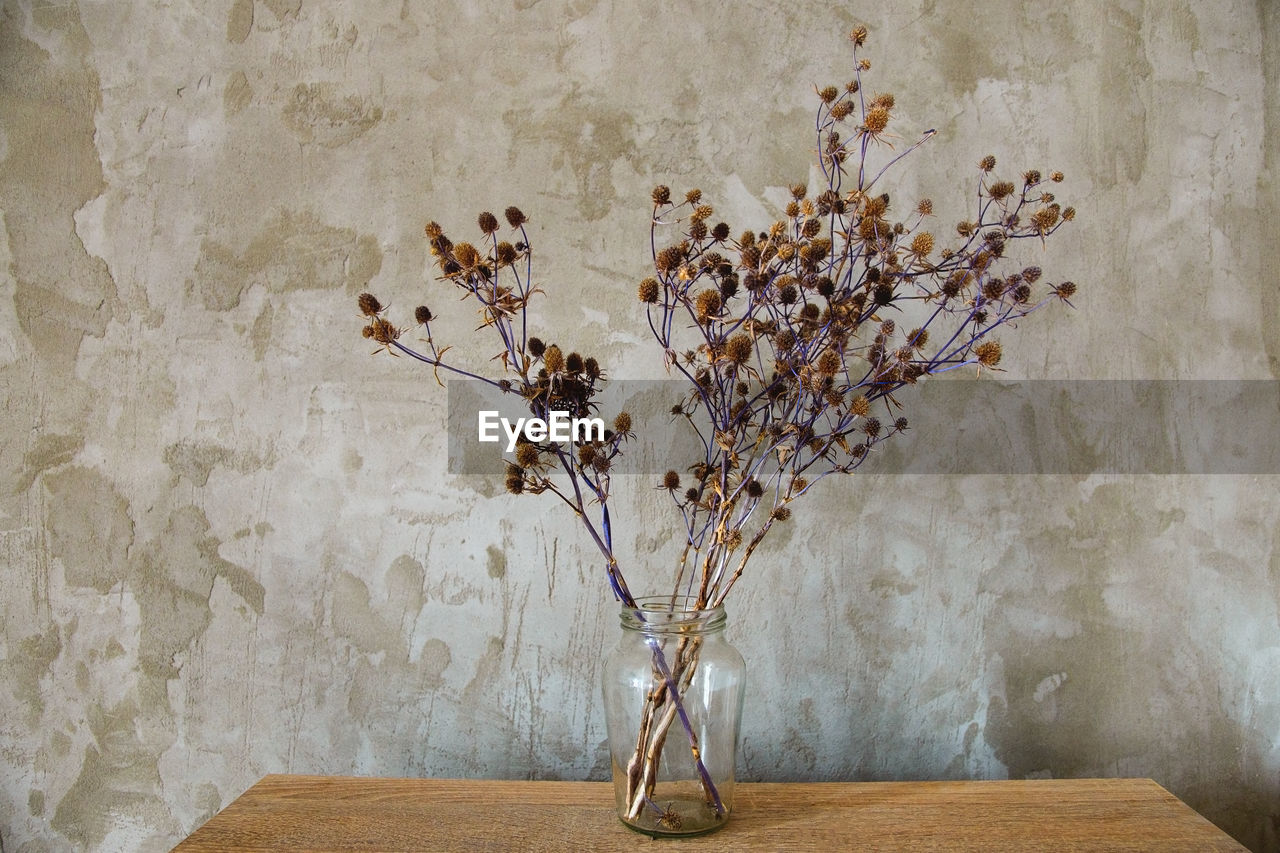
291 813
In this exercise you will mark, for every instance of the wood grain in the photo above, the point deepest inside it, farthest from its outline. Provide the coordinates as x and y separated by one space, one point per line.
295 813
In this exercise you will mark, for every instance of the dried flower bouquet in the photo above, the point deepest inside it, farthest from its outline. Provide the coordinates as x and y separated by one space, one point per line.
794 341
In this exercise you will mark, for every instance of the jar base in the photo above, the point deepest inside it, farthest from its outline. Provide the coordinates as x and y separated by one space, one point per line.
678 819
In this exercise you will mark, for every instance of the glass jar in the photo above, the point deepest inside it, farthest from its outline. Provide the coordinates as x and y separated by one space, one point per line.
673 751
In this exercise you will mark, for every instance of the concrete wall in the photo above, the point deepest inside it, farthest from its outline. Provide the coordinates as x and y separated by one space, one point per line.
229 545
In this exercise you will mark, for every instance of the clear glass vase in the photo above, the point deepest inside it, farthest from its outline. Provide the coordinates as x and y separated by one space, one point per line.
673 703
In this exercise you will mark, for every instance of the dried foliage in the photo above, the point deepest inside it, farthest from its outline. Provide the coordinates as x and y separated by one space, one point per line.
796 340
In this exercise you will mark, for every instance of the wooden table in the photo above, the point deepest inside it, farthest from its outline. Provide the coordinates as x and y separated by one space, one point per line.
283 813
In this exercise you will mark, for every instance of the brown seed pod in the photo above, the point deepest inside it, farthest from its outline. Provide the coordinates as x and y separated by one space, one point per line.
988 353
707 305
648 290
740 348
553 358
515 217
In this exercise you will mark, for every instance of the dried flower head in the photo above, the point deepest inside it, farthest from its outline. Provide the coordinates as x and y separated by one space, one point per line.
553 359
707 305
488 222
527 455
515 217
740 348
876 120
988 353
382 331
423 315
369 305
671 481
1001 190
649 291
467 256
1045 218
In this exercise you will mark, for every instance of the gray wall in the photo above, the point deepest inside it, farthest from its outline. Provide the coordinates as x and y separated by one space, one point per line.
228 542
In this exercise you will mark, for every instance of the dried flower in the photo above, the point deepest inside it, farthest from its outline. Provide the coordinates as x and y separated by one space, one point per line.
382 331
467 256
988 353
1001 190
788 336
876 120
740 348
922 244
707 305
527 455
649 291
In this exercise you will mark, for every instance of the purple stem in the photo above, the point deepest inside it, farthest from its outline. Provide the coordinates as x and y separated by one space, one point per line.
661 661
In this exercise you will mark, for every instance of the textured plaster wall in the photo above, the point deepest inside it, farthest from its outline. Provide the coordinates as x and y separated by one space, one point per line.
229 545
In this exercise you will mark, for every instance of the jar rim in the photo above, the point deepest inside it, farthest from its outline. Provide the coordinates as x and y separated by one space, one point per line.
671 613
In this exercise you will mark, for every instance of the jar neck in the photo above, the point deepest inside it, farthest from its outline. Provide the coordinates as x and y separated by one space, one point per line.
668 615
